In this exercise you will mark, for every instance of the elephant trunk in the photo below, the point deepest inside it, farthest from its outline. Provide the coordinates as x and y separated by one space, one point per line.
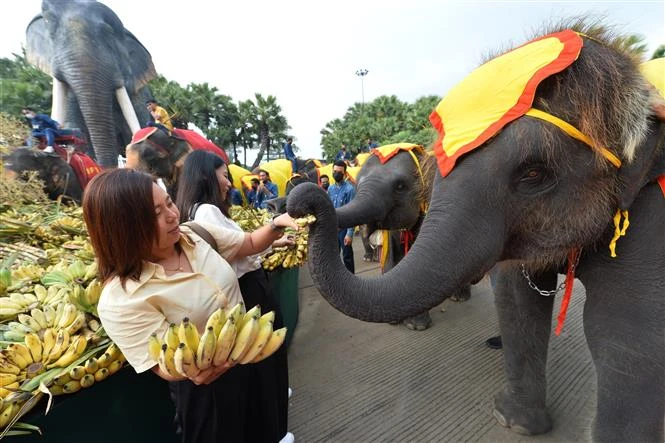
360 210
419 282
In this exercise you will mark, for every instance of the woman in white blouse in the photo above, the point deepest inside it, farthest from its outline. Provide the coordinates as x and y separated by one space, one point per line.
155 273
203 196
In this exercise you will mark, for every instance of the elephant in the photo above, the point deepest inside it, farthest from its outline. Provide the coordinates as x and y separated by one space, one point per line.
391 194
162 154
538 180
99 69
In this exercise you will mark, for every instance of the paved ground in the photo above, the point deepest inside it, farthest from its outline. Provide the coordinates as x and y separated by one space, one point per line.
366 382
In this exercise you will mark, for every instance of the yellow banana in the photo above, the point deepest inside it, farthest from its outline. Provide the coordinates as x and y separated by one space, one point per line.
104 360
255 312
92 292
244 339
171 336
166 363
154 347
59 309
61 345
41 292
48 342
61 379
91 271
77 324
34 344
71 386
20 354
6 379
91 365
73 352
114 351
8 413
77 372
68 316
236 312
184 361
49 313
87 380
276 339
262 337
225 342
115 366
216 320
101 374
30 322
39 316
188 334
206 350
56 390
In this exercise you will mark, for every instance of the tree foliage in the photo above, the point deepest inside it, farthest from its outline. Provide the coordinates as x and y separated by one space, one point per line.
659 52
21 85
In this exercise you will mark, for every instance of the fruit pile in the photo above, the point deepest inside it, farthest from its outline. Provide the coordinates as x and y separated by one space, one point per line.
231 336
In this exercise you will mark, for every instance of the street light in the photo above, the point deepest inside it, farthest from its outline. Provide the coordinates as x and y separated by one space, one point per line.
362 73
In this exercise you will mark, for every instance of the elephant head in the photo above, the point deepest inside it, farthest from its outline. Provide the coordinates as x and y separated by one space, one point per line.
529 192
99 70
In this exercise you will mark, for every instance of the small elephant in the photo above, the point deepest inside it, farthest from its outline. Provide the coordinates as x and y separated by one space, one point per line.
99 72
564 171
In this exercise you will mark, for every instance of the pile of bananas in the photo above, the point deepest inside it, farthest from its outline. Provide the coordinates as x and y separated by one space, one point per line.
232 336
291 257
250 219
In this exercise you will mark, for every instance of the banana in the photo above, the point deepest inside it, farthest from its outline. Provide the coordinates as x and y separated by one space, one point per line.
255 312
244 340
60 346
206 350
8 413
188 334
216 320
236 312
77 372
87 380
71 386
61 379
8 390
30 322
184 361
49 313
91 365
91 271
276 339
92 292
55 277
73 352
115 366
20 354
77 324
154 347
225 342
113 351
6 379
171 336
9 368
68 316
76 270
262 337
34 344
104 360
166 361
40 317
40 292
13 335
101 374
48 342
56 390
59 309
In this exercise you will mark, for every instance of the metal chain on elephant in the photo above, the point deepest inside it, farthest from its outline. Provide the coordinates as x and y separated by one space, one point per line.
542 292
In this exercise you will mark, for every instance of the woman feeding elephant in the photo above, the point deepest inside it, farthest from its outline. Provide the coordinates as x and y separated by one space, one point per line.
545 152
162 274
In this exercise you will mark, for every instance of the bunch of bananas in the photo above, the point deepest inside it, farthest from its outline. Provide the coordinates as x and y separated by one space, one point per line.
250 219
24 361
291 257
18 303
63 316
94 369
233 336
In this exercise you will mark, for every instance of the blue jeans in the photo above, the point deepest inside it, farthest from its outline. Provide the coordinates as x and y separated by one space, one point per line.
347 251
49 133
294 166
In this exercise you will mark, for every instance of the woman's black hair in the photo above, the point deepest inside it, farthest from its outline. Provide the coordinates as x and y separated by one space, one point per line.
198 184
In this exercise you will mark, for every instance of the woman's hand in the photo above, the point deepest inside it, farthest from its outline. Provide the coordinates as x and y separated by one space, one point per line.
285 221
211 374
287 240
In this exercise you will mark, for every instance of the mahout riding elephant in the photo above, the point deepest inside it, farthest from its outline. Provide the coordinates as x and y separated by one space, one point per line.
393 188
99 72
550 161
162 154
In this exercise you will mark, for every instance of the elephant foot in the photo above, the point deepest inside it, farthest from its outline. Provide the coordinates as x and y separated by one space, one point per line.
462 295
521 419
419 322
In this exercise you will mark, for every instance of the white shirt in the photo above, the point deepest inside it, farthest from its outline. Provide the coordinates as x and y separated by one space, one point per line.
132 314
207 213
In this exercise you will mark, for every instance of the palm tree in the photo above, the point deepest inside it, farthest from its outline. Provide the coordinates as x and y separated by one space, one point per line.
269 125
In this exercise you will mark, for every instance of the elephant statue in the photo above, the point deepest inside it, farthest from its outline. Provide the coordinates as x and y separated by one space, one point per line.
99 72
563 171
392 191
162 154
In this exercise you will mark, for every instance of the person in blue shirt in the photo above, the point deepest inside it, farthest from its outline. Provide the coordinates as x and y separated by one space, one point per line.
341 192
289 155
344 154
42 126
236 197
371 144
262 190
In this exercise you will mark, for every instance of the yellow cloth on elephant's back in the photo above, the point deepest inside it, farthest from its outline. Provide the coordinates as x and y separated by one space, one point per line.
654 71
497 93
237 173
386 152
280 173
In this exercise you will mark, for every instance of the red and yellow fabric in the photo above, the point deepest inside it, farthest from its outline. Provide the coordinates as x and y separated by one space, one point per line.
386 152
362 158
497 93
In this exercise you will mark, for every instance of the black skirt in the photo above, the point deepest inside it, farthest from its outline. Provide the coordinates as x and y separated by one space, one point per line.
248 403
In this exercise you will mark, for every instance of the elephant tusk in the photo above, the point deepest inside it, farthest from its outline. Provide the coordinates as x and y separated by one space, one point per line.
127 109
59 108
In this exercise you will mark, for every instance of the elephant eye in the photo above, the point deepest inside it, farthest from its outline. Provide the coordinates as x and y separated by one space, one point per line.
532 175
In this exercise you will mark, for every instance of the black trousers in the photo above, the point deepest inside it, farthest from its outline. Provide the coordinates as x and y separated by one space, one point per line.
248 403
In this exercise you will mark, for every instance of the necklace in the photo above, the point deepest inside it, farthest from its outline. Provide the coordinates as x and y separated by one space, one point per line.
179 267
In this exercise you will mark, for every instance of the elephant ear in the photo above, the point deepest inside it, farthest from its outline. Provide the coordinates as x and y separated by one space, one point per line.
649 163
39 46
139 61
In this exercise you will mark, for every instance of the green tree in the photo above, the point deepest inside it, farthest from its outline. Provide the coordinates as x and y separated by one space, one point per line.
659 52
21 85
269 125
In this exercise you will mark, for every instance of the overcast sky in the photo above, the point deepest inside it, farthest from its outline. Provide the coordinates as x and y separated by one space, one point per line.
306 53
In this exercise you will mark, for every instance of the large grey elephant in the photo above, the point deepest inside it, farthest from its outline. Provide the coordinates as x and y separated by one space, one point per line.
99 71
529 192
392 192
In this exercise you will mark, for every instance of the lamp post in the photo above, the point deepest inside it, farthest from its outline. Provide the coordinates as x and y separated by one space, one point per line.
362 73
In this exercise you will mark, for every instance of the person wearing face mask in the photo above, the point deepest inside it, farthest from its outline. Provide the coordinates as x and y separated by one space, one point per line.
325 182
341 192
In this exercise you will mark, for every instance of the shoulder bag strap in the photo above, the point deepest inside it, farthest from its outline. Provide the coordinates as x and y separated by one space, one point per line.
203 233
